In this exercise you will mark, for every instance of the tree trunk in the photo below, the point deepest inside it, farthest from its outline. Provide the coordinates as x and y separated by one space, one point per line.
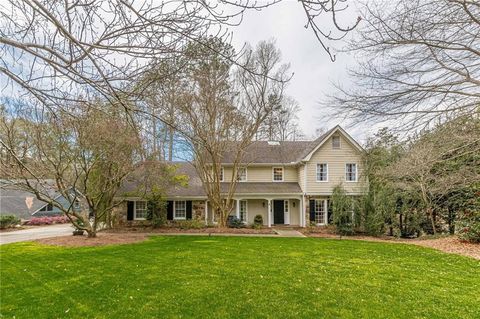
432 219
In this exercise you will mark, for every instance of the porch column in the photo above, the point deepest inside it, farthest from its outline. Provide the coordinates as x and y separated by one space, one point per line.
269 213
237 207
302 212
325 215
206 212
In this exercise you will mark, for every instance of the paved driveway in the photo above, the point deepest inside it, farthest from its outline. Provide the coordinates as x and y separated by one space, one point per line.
35 233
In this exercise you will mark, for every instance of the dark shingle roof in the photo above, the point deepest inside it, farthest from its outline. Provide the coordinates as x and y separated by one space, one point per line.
195 187
18 202
286 152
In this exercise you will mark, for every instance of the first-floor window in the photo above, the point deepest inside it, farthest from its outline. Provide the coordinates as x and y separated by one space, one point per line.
320 212
140 210
180 209
243 210
46 208
351 172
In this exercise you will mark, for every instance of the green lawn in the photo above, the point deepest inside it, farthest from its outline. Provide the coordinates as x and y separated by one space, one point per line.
237 277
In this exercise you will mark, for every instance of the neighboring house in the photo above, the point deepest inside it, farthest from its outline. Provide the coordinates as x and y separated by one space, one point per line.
24 205
288 183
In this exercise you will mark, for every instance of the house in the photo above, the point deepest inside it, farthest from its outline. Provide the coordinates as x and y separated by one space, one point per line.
288 183
24 205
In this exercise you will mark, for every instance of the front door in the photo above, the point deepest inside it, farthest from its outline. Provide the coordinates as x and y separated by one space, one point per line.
278 212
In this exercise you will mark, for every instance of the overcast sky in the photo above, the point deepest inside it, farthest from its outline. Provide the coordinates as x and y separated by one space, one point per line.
312 67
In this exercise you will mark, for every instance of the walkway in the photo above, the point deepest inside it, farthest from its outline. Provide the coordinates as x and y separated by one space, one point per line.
288 233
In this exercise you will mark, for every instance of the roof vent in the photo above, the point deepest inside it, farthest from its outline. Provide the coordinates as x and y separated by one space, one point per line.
273 143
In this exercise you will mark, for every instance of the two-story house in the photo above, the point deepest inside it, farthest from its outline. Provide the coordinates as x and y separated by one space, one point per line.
288 183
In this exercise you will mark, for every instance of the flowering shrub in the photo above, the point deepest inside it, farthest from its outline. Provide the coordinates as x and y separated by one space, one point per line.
48 220
469 226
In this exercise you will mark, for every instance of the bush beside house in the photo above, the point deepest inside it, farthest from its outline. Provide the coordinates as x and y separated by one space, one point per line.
8 221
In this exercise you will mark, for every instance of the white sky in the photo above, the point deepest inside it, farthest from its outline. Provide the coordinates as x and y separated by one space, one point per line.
312 67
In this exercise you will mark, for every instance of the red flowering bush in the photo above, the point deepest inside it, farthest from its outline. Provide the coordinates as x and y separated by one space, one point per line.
48 220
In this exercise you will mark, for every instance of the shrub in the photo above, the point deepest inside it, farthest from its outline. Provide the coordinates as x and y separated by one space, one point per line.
258 220
469 226
342 209
7 221
48 220
157 212
234 222
188 224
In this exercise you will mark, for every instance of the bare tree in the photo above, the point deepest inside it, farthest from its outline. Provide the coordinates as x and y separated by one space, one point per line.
282 123
87 156
221 108
439 162
418 63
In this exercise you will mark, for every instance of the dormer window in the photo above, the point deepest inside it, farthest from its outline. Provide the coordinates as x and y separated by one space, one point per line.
242 174
278 174
335 142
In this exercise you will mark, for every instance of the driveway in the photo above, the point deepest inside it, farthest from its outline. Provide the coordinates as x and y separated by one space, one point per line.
35 233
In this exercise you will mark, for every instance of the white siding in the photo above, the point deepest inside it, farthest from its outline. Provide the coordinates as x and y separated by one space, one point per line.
336 160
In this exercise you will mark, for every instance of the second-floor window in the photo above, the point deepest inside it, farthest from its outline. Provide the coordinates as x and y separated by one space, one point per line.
242 174
278 174
322 172
351 172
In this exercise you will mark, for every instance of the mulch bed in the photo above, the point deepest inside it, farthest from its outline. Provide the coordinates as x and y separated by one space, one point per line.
102 239
449 244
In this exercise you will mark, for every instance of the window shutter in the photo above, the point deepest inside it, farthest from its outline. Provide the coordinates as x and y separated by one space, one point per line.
189 209
169 210
329 211
312 210
130 210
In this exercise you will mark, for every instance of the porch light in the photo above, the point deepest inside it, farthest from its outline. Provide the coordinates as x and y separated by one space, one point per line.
263 203
293 203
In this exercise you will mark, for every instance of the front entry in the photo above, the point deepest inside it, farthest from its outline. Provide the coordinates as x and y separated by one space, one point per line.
278 212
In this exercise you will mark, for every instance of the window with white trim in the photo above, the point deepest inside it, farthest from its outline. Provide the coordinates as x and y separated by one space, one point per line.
335 142
140 210
243 211
278 174
242 174
322 172
351 172
180 211
320 213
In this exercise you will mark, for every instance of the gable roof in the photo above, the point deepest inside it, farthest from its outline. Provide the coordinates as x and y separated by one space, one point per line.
286 152
326 136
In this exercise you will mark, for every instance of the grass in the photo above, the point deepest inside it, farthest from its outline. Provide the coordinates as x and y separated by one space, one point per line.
237 277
